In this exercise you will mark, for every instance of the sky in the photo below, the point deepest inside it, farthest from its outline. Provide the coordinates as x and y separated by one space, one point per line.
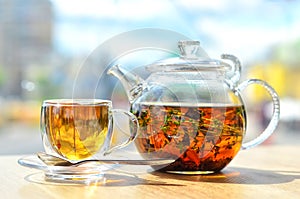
243 27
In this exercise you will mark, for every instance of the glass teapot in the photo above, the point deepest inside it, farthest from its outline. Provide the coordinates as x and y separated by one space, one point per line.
190 108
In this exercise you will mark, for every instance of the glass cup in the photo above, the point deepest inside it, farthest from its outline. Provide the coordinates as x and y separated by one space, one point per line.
78 129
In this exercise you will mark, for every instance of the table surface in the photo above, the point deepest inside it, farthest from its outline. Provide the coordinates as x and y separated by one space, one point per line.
261 172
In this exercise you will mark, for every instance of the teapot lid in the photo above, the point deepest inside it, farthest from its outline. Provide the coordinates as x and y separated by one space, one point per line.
192 58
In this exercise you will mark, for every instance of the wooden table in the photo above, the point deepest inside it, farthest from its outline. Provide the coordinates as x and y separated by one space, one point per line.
262 172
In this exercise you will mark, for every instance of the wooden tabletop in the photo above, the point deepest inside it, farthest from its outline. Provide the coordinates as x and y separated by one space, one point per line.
262 172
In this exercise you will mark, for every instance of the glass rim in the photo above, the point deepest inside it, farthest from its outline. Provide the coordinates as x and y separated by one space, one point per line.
76 102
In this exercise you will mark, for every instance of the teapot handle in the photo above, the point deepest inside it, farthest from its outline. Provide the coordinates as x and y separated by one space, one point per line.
275 116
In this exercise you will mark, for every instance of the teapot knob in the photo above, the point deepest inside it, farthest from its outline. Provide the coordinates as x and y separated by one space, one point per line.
189 49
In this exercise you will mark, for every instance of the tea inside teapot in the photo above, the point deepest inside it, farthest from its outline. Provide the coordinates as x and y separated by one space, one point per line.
205 138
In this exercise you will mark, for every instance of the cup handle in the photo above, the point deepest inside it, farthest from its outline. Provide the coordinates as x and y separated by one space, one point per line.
133 132
275 116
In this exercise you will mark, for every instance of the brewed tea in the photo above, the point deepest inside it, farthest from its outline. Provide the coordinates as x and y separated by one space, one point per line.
76 132
204 138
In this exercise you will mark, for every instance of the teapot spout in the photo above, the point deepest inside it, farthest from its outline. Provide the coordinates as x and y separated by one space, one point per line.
132 83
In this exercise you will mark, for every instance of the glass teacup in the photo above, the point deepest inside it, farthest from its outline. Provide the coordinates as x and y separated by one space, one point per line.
78 129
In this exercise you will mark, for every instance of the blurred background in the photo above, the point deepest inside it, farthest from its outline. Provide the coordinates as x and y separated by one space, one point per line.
43 44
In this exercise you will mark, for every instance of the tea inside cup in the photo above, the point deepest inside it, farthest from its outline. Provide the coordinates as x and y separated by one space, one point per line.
78 129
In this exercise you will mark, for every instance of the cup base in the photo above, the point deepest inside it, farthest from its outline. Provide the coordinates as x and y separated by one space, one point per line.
83 178
89 173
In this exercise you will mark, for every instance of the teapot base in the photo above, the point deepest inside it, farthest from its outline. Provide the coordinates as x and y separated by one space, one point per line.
191 172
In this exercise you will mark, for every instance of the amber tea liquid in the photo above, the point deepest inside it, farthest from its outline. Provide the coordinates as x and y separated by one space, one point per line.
76 132
204 138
